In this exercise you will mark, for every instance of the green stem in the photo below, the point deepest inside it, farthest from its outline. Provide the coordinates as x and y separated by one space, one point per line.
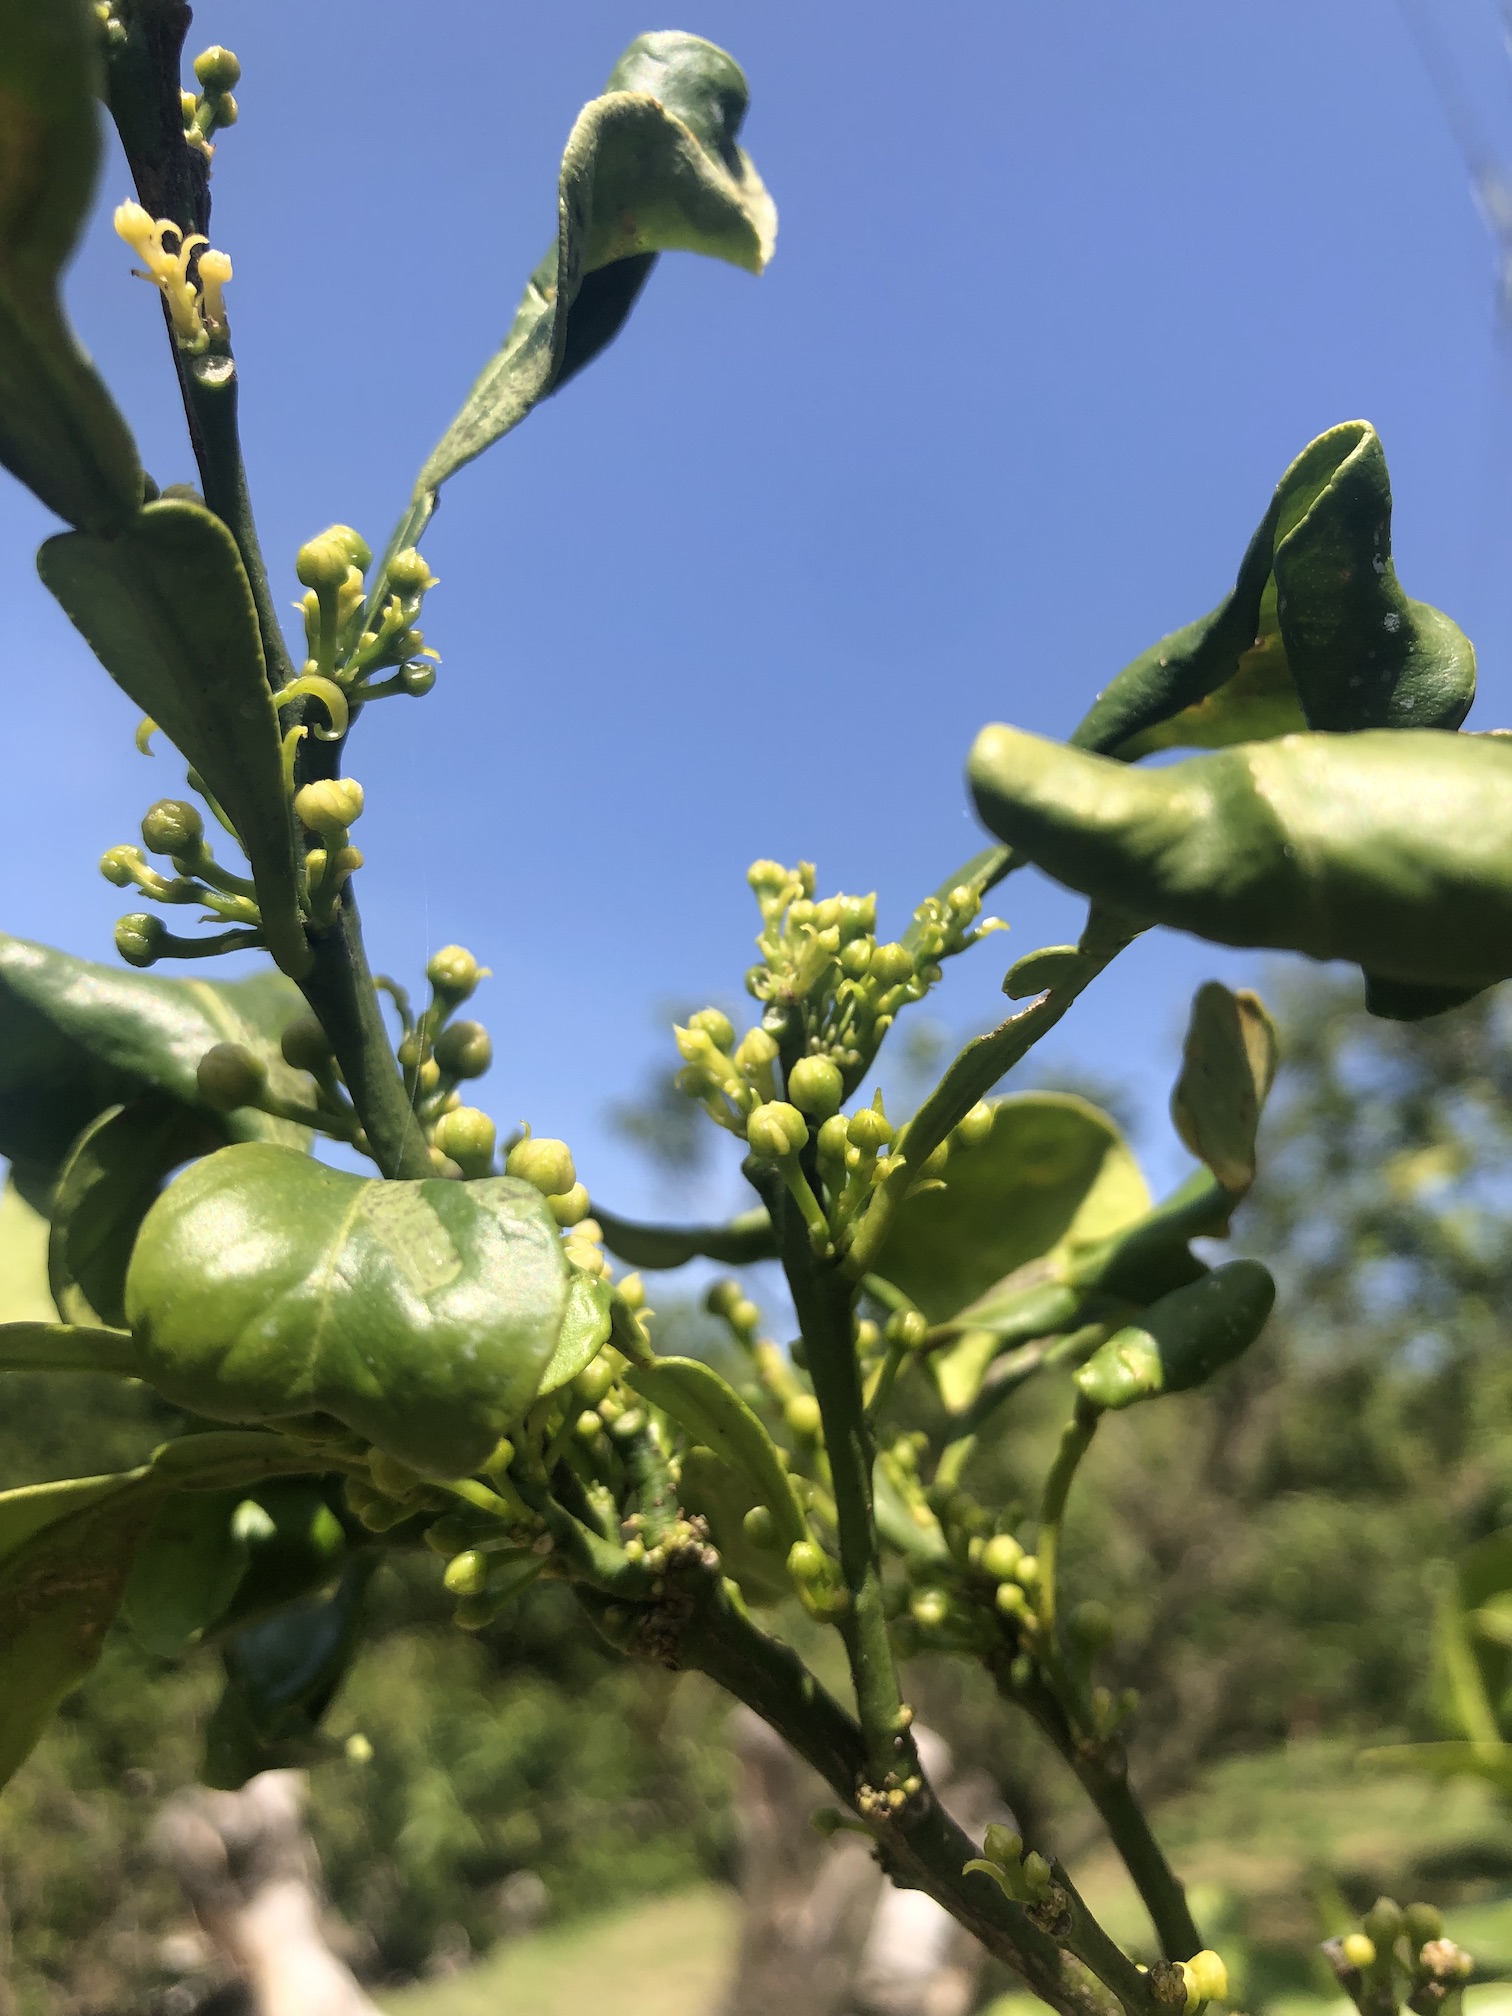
822 1298
211 388
920 1846
340 991
1076 1439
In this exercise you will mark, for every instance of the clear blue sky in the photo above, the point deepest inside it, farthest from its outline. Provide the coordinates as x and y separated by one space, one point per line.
1059 292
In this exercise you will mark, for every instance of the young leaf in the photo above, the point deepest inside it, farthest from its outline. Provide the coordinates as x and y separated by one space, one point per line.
1390 848
584 1332
1317 631
1228 1064
167 609
105 1190
60 431
76 1038
652 166
713 1413
423 1315
67 1347
746 1238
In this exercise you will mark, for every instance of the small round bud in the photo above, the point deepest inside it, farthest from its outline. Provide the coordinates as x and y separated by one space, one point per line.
1003 1846
229 1076
1001 1556
417 677
722 1297
545 1164
1011 1600
139 938
188 106
323 562
929 1608
717 1026
834 1139
453 972
571 1208
1037 1872
467 1136
121 865
1027 1573
756 1051
632 1291
760 1528
808 1563
217 69
869 1130
1207 1978
408 573
856 958
172 827
892 964
305 1045
1422 1923
593 1382
815 1086
745 1316
868 1337
803 1417
1383 1921
224 107
975 1128
1357 1949
467 1574
857 917
777 1130
767 878
908 1328
329 807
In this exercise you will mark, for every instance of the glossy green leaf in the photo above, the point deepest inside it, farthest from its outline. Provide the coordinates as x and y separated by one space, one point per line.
745 1239
652 166
423 1315
67 1347
1054 1173
166 607
1182 1339
281 1675
1392 849
1228 1065
713 1413
584 1332
186 1570
66 1553
24 1293
76 1038
105 1190
60 431
1317 632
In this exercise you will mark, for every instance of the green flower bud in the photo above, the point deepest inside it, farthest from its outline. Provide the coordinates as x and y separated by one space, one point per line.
467 1574
593 1382
1355 1947
1037 1873
857 918
718 1027
815 1086
224 108
930 1609
305 1044
1001 1557
1422 1923
408 573
908 1328
229 1076
417 677
760 1528
856 958
767 878
892 965
808 1564
468 1136
120 866
329 807
172 827
1003 1846
1011 1600
217 69
870 1130
139 938
834 1139
454 974
722 1297
803 1417
975 1128
543 1163
1027 1573
322 562
1383 1921
572 1207
777 1130
757 1051
188 105
745 1316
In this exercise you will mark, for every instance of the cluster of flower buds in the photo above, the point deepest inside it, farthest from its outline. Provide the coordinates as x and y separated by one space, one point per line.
437 1054
210 108
546 1165
175 829
328 810
196 308
350 637
1399 1954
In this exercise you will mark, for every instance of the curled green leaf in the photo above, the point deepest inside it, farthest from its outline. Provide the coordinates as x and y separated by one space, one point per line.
1182 1339
264 1285
746 1238
1228 1064
714 1414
